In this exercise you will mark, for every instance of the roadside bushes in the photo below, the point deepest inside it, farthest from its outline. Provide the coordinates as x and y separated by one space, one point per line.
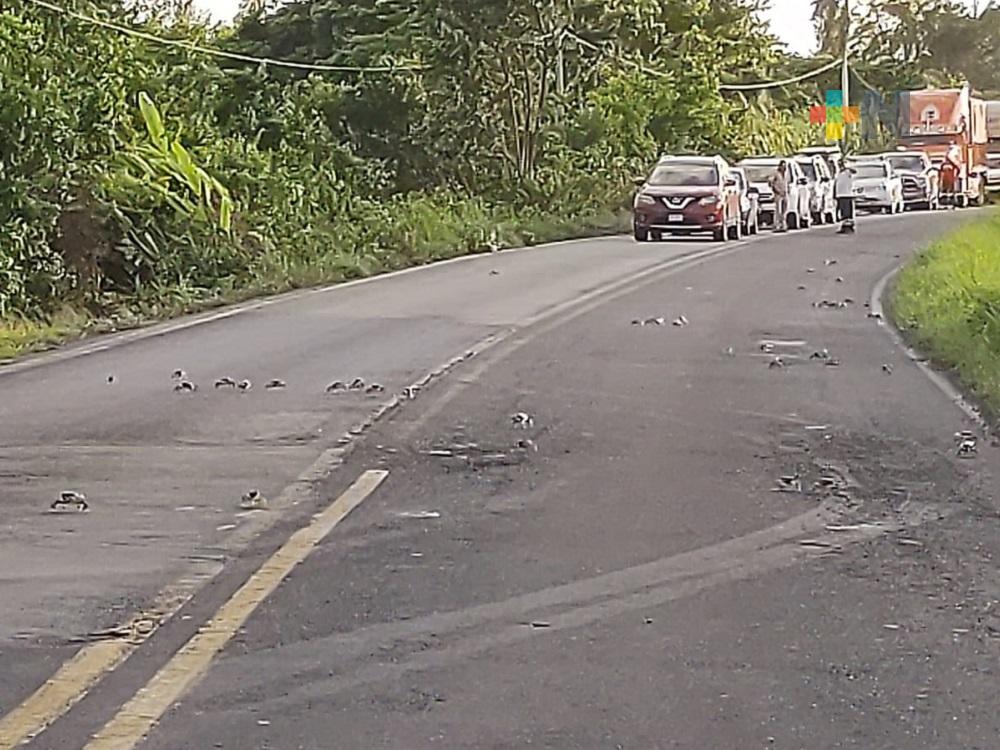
948 303
140 180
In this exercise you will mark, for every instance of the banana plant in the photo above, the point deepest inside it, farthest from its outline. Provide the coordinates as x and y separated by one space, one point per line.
169 171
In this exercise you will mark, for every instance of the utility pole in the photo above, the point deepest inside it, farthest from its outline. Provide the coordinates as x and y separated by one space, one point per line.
845 77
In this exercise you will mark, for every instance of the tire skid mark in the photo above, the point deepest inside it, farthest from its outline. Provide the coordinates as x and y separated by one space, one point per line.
460 634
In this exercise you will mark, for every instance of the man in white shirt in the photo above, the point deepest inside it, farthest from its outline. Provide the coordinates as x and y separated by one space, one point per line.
843 191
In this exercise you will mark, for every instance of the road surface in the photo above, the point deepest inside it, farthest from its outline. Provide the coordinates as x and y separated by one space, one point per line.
621 573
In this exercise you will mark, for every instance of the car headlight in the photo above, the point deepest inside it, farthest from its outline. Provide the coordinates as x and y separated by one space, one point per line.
708 200
644 200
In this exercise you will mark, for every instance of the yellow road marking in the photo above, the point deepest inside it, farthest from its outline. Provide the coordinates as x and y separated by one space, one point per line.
61 691
85 669
134 720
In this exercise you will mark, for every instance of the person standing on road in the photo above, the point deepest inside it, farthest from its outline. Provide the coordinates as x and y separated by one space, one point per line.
843 191
779 186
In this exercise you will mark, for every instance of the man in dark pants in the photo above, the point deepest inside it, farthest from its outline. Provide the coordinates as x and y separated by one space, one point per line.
843 191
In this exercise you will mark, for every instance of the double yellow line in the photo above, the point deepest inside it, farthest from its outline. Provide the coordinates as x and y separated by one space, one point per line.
134 720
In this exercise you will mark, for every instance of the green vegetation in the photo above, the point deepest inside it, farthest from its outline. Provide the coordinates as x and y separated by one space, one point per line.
948 303
140 180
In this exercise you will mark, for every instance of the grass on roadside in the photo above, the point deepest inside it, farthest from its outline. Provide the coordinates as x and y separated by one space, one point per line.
947 302
422 242
18 336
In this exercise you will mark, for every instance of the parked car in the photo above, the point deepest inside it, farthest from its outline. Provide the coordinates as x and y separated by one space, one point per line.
688 195
993 172
822 205
854 159
759 171
918 176
757 176
877 186
831 155
749 202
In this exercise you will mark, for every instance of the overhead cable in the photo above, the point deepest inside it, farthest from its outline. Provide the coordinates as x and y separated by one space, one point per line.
192 47
723 87
776 84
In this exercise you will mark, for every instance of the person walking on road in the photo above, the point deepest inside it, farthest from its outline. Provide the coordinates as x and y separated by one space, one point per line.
779 186
843 191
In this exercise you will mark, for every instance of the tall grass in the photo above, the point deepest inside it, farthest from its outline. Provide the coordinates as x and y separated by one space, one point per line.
947 301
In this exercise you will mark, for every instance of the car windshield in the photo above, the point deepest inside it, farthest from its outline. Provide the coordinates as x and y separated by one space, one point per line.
759 172
911 163
684 175
869 171
809 169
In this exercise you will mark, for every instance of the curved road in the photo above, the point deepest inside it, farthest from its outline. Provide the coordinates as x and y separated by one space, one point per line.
620 574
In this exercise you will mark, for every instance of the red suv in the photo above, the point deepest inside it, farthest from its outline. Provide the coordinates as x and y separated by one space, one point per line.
688 195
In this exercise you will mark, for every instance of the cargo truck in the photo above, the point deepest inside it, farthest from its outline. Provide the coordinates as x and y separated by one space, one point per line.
950 126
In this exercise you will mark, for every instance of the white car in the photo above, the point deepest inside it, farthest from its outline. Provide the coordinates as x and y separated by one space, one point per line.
832 155
877 187
749 201
822 205
759 171
993 172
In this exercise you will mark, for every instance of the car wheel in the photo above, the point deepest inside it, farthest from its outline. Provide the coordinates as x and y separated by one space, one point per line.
792 221
641 235
719 233
656 236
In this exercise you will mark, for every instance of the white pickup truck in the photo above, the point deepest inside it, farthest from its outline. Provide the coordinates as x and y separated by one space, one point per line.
919 177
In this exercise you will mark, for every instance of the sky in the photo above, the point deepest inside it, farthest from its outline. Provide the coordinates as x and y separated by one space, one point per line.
791 20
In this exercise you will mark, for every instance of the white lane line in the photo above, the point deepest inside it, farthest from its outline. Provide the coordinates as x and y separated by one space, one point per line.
943 384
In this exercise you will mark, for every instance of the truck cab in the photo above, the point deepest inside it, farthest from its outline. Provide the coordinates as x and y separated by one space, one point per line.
950 126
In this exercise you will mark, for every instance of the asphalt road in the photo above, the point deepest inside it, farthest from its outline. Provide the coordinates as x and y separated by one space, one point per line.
625 577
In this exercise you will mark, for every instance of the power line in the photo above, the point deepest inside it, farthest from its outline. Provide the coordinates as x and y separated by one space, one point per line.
864 83
192 47
776 84
639 66
723 87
